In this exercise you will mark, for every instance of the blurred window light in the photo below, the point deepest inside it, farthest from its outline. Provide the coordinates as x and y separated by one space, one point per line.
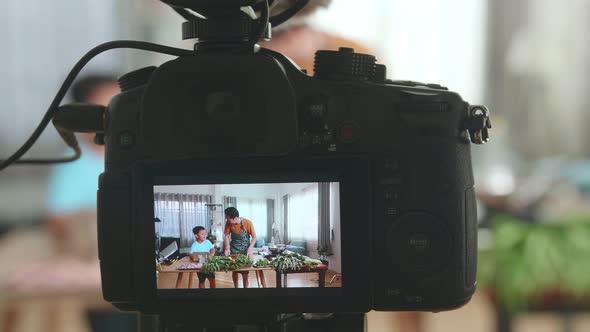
499 181
431 41
42 40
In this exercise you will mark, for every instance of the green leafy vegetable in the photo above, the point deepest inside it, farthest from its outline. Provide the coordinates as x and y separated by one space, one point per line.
289 262
262 262
217 263
293 261
241 261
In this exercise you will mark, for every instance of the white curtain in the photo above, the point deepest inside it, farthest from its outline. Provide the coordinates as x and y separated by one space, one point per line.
192 213
255 210
179 213
303 215
167 209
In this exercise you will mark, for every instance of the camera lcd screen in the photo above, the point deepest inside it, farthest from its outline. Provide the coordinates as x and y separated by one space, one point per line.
248 235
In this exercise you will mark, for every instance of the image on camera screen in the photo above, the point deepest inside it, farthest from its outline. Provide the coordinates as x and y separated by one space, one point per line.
262 235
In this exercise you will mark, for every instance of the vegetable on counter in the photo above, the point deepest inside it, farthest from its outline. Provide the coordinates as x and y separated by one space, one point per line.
241 261
262 262
217 263
293 261
224 263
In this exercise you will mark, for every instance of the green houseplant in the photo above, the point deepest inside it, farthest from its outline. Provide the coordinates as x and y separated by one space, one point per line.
323 252
537 264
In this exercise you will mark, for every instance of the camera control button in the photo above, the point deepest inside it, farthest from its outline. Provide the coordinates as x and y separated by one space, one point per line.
344 65
314 108
391 194
317 110
126 139
391 164
304 140
390 180
417 299
349 133
419 242
391 211
393 292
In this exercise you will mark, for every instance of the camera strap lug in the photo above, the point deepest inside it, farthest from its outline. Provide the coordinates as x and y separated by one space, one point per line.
478 124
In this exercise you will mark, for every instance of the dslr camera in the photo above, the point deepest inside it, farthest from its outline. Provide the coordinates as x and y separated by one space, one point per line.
372 175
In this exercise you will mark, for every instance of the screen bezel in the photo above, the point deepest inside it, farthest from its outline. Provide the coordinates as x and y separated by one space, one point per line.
351 173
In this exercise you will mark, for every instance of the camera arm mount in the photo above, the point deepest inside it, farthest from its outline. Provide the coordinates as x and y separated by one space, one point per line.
225 24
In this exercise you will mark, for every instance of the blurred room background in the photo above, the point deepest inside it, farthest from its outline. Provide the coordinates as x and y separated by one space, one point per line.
527 60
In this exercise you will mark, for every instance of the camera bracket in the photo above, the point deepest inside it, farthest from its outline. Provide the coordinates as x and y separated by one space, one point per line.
238 29
211 8
221 24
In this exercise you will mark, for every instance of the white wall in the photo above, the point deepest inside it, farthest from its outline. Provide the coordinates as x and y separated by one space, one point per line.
200 189
290 188
254 191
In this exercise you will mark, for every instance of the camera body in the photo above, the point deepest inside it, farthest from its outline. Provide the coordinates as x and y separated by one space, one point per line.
400 152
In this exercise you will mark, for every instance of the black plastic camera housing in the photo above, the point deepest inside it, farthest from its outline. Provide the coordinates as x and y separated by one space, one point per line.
400 150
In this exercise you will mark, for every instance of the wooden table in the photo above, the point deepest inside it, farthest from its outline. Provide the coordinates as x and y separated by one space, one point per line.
320 270
173 268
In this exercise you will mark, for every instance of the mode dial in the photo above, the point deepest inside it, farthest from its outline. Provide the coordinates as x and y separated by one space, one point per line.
344 64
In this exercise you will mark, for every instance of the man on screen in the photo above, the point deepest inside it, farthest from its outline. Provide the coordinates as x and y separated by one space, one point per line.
240 238
202 245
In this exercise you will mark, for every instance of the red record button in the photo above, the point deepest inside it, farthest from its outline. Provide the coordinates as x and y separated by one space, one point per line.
349 133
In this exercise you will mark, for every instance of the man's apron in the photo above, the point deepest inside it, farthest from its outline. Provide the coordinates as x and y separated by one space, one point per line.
240 241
